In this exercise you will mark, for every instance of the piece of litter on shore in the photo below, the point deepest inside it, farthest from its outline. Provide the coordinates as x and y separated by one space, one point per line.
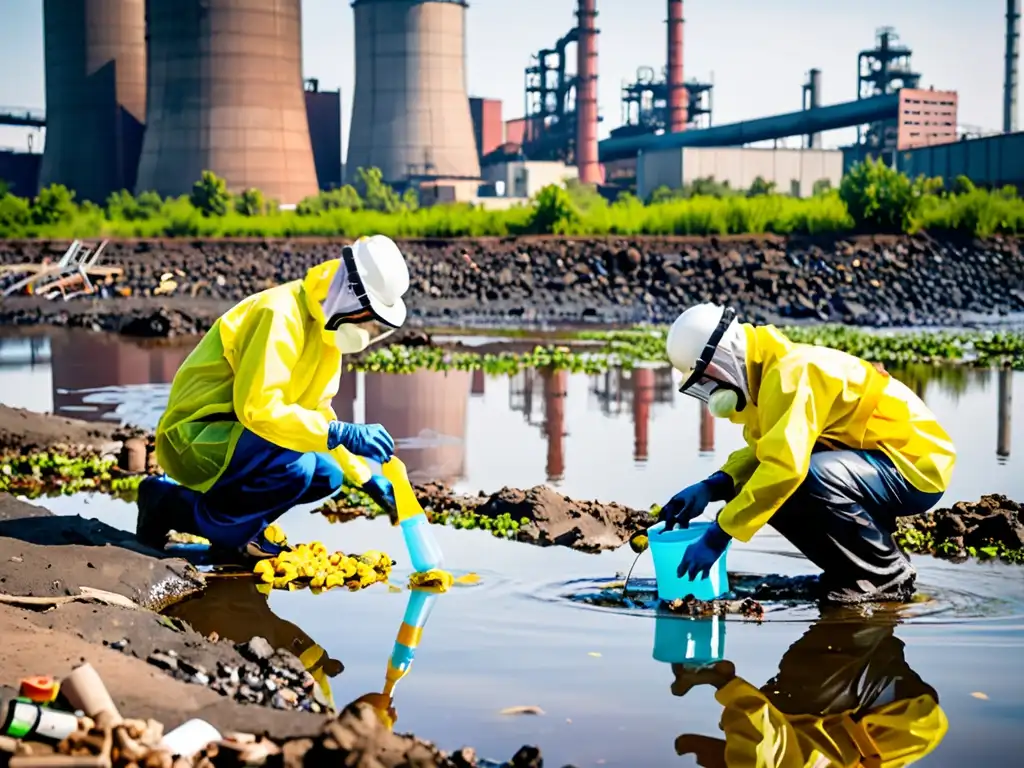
595 654
980 695
526 710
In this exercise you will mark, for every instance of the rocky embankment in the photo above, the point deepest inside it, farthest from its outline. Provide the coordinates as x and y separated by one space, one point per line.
180 286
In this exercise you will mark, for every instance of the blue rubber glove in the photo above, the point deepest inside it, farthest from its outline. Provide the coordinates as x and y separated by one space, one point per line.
371 441
379 489
691 502
704 553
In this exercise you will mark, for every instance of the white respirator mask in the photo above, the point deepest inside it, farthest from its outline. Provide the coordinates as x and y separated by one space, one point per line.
364 302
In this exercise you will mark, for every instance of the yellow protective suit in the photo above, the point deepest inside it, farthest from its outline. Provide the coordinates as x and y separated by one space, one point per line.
758 735
267 365
805 395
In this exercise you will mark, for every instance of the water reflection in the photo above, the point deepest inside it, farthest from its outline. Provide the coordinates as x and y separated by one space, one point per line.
844 695
102 377
236 608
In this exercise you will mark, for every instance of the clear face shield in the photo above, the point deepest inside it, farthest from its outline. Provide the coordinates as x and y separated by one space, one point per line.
349 310
720 369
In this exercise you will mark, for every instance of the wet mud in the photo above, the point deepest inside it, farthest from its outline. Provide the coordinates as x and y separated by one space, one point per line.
159 666
992 527
553 279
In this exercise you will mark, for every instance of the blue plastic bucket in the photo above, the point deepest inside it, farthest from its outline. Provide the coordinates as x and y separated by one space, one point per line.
667 548
685 640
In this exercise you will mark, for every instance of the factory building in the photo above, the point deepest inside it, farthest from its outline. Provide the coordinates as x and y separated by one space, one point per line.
989 161
793 172
323 112
225 94
95 68
488 128
410 110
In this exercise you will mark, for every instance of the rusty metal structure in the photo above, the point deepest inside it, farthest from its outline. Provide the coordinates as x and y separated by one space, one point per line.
883 70
225 94
95 64
669 104
586 93
1012 59
677 96
410 110
561 115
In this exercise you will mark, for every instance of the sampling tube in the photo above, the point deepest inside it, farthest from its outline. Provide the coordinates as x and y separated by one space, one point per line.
417 611
424 551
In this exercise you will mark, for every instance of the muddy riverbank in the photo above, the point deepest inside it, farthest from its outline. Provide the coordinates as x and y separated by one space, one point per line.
172 287
74 589
992 527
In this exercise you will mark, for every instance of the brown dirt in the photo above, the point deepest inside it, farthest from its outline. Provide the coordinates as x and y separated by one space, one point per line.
23 431
117 640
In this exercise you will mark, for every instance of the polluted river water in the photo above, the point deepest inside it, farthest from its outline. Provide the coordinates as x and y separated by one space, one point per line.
515 639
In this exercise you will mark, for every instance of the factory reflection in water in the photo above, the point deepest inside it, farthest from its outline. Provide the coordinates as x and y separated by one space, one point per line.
427 411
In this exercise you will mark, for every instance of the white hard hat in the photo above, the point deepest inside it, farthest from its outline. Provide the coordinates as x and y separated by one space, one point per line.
707 346
369 285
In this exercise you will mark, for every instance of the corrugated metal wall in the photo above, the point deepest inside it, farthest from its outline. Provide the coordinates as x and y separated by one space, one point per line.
410 111
95 61
794 171
323 111
990 161
225 94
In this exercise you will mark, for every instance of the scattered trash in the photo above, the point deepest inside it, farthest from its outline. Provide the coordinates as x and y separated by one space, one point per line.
310 565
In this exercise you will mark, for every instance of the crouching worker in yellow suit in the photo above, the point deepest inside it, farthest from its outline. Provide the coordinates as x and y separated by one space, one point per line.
844 697
249 431
836 450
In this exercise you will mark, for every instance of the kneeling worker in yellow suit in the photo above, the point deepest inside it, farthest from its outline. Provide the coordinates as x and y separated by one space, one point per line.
836 451
249 431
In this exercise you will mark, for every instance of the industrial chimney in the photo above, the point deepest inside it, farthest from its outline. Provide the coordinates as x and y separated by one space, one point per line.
678 112
586 93
225 95
95 63
1012 55
410 109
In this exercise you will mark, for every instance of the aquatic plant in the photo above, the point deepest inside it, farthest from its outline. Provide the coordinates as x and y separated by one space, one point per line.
45 473
872 197
629 348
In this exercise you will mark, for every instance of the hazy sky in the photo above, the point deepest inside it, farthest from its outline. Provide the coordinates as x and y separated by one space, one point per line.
759 52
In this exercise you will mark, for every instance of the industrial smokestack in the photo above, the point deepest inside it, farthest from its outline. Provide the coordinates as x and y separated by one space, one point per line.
677 96
225 95
410 109
1010 76
95 63
586 93
812 100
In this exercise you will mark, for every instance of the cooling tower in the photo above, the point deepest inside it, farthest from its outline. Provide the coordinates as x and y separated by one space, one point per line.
226 95
410 110
95 60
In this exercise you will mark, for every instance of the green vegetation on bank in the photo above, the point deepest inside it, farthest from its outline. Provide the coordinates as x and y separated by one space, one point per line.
52 474
629 348
871 198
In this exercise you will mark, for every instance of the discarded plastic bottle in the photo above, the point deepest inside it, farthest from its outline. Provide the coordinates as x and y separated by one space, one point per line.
26 718
424 551
417 611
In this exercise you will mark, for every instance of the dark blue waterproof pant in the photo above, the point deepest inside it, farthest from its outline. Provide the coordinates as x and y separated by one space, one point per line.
261 483
843 516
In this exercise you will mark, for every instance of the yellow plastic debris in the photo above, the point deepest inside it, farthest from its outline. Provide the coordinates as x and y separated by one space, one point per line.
311 565
437 580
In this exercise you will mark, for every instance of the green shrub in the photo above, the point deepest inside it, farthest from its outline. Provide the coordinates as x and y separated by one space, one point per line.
871 198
